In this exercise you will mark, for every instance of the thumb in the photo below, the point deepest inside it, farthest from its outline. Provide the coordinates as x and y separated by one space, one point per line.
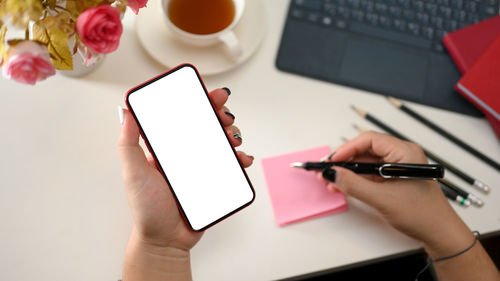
135 165
355 185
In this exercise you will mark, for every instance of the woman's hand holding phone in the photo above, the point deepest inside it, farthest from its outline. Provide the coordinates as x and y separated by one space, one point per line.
160 235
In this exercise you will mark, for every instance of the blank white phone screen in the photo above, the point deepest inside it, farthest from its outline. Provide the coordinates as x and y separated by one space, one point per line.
191 147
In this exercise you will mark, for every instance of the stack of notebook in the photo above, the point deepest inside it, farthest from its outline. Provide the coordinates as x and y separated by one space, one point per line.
476 52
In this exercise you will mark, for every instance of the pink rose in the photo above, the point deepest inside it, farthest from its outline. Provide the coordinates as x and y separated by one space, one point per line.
135 5
100 28
28 62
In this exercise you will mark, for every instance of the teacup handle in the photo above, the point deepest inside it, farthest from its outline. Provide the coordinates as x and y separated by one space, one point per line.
232 44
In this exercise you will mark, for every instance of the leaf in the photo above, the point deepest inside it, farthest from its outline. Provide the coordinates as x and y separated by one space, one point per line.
3 50
39 33
14 42
76 44
57 45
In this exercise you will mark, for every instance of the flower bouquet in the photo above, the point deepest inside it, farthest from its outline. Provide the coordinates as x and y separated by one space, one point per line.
54 31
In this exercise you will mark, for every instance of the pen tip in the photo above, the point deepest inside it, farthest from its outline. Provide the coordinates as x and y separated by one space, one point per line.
297 165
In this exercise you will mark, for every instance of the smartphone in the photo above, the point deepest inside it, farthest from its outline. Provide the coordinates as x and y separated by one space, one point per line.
182 130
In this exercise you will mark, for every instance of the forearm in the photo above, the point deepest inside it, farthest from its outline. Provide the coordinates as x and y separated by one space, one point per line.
475 264
146 262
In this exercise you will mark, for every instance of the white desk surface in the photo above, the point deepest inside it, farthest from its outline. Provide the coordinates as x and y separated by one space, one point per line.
63 209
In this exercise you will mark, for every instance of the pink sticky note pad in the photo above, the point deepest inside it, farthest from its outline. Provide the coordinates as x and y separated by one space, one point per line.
296 194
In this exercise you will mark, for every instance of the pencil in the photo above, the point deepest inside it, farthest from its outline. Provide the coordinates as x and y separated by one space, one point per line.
454 196
444 133
471 197
474 182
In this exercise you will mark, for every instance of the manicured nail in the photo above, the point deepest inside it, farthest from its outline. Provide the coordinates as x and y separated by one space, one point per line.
120 114
230 114
329 175
227 90
237 136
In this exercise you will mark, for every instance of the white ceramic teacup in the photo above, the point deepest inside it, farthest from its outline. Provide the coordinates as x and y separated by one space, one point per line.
225 36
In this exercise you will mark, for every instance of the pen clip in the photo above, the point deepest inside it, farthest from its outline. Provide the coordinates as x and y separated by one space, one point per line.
402 171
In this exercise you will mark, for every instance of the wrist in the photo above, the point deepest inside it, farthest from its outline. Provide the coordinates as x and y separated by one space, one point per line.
452 239
146 261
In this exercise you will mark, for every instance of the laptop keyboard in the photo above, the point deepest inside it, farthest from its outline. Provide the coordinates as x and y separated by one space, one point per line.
418 23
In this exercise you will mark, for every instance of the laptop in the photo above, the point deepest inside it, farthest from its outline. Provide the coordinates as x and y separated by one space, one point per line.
388 47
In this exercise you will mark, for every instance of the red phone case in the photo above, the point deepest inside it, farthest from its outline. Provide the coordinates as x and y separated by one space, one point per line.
158 166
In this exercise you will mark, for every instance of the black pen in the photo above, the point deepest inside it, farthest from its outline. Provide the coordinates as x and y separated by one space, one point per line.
385 170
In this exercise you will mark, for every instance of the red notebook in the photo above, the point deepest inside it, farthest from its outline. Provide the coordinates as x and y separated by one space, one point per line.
481 84
467 44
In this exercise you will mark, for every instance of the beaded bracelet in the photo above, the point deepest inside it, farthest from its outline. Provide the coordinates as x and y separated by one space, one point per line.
431 261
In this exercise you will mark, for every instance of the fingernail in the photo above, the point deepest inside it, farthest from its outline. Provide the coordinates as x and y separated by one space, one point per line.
120 114
329 175
237 136
230 114
251 157
227 90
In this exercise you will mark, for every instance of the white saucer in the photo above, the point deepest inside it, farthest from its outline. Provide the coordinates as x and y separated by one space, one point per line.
156 37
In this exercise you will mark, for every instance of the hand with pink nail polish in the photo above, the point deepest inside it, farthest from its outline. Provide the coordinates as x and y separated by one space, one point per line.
160 242
417 208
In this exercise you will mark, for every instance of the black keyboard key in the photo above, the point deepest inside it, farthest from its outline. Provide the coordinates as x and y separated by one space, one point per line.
428 32
358 15
437 22
457 4
330 9
354 4
418 5
298 14
372 18
471 6
404 3
390 35
367 5
340 24
313 17
440 34
395 11
385 21
381 8
489 10
450 25
459 15
443 2
414 28
344 12
431 8
445 12
473 18
423 19
400 25
309 4
409 14
327 21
